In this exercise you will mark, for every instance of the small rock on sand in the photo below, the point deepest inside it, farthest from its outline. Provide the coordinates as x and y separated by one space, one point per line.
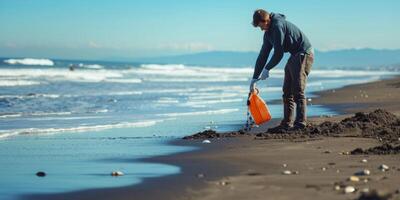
353 179
284 165
383 167
223 183
364 160
364 172
287 172
337 187
349 189
345 153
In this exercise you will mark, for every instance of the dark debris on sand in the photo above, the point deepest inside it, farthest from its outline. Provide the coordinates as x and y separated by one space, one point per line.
378 124
379 150
209 134
374 195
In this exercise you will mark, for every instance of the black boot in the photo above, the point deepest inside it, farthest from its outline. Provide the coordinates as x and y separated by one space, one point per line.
301 114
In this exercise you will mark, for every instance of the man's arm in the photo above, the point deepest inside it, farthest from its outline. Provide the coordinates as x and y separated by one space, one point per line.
278 37
262 58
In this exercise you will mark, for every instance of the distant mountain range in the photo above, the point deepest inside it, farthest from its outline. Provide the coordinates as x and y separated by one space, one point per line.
349 58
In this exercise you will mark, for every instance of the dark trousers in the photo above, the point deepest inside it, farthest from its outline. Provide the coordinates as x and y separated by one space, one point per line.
296 72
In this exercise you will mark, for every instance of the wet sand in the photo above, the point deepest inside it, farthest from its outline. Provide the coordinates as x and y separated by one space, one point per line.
243 167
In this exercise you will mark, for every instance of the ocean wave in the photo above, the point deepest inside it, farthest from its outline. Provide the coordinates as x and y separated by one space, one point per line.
12 83
62 74
203 103
208 112
122 93
33 131
123 80
91 66
208 96
208 79
10 115
32 95
171 70
33 114
30 61
167 100
63 118
189 71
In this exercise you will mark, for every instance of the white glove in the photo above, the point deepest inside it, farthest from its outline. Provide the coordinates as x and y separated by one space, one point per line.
264 74
253 84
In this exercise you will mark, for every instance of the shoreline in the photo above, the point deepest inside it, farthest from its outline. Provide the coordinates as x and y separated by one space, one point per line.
206 171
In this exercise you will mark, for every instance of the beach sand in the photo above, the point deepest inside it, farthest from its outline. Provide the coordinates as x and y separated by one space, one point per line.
243 167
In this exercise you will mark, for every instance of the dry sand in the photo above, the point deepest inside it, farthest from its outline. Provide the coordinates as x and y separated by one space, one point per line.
242 167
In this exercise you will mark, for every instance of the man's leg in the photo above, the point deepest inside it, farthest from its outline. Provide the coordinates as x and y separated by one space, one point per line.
300 72
288 102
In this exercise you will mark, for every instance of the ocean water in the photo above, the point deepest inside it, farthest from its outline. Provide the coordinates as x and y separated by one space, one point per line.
79 125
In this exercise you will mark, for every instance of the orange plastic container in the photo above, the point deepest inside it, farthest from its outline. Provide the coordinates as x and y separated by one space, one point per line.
258 108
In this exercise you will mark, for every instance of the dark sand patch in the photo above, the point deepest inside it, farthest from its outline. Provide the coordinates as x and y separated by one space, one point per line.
378 150
210 134
379 124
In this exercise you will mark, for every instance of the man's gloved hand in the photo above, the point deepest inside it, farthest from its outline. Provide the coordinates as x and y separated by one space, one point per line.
264 74
253 84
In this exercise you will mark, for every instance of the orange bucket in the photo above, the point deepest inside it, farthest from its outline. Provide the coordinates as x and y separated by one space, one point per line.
258 108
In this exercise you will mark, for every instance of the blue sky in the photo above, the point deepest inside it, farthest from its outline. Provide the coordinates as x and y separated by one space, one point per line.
95 29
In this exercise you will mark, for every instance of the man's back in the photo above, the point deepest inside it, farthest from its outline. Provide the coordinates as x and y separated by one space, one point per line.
294 40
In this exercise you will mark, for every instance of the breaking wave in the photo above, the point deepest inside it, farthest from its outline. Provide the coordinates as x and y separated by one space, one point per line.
28 131
30 61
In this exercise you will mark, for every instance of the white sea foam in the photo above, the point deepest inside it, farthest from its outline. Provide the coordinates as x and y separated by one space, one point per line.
91 66
123 80
167 100
208 79
28 131
10 115
34 114
101 111
203 103
208 112
50 96
196 71
207 96
30 61
122 93
47 113
191 71
63 118
11 83
62 74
